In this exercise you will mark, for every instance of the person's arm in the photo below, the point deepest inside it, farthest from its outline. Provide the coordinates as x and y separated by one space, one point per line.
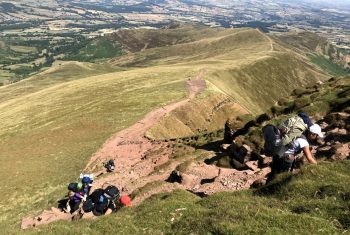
308 155
111 208
108 211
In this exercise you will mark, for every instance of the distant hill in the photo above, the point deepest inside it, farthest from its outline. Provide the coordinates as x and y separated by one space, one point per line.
250 61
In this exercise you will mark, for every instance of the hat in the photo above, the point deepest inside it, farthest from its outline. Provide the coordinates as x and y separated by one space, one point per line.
86 180
125 200
316 129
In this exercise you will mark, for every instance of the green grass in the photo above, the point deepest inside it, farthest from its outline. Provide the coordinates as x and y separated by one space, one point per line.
48 136
315 201
328 65
59 73
100 48
23 49
53 122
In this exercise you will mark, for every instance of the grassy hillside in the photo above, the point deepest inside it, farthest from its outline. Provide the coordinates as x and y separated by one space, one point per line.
316 201
320 51
316 198
59 73
135 40
238 63
48 136
53 122
207 113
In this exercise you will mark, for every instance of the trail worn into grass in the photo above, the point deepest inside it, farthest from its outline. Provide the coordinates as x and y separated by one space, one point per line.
135 155
130 145
143 165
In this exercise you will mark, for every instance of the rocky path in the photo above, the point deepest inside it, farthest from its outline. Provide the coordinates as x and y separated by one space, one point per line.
140 161
135 155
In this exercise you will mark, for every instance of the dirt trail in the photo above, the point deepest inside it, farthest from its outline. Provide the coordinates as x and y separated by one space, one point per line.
135 156
140 161
130 146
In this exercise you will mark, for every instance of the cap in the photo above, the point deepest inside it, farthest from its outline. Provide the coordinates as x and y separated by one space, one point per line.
125 200
316 129
86 180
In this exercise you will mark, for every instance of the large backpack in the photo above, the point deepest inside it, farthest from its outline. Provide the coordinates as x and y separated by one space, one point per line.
291 129
273 142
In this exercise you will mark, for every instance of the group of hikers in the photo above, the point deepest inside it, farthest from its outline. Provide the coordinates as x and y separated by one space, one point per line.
289 139
82 198
283 143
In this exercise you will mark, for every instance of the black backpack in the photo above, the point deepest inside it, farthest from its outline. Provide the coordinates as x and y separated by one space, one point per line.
273 141
112 191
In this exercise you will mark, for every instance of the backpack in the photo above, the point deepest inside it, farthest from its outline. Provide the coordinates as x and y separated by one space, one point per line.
112 191
292 128
75 187
306 119
96 202
100 200
273 142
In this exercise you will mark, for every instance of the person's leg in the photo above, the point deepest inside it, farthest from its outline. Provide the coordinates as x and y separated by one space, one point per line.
279 165
73 206
274 169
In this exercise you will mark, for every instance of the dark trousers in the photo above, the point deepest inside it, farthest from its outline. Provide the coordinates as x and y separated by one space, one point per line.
279 165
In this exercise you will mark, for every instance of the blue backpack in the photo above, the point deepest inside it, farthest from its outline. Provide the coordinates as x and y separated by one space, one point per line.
306 119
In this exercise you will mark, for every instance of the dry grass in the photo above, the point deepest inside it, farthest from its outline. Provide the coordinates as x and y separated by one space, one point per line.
204 114
47 136
59 73
23 49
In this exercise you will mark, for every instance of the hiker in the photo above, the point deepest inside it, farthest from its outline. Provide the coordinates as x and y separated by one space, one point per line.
105 201
276 138
109 165
291 137
78 193
75 197
284 163
86 184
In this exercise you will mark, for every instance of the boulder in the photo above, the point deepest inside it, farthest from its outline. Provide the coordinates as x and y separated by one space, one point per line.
342 151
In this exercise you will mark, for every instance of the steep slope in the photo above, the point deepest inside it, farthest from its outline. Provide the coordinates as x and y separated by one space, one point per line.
335 61
55 122
315 196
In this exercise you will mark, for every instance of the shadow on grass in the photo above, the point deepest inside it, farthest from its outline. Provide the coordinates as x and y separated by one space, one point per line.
217 157
274 186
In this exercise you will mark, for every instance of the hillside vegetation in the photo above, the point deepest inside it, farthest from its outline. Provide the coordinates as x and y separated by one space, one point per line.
316 198
53 122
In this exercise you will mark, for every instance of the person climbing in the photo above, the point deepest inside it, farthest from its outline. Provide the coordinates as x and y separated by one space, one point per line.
109 165
86 185
276 138
300 144
75 197
287 140
103 201
78 193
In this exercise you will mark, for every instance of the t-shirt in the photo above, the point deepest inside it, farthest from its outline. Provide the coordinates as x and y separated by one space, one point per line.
296 146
